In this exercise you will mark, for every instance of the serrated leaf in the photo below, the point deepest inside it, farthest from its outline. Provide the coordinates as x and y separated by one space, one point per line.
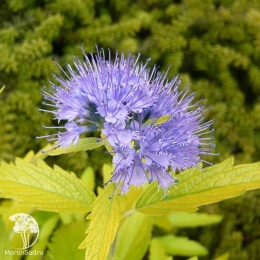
189 220
29 156
44 188
182 246
157 121
133 237
65 241
157 251
83 145
105 218
197 188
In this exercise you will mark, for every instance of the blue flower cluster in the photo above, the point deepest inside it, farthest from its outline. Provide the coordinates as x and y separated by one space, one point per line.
152 127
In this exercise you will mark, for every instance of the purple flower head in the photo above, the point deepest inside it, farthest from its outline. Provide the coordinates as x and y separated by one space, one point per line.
152 127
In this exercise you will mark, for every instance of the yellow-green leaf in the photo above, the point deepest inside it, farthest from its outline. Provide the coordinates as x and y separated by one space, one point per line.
185 219
133 237
182 246
105 218
4 242
223 257
46 231
157 251
157 121
44 188
196 188
64 243
88 177
131 198
194 219
83 145
9 208
107 170
162 222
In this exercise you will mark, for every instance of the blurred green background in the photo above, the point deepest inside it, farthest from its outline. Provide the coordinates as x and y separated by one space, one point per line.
212 44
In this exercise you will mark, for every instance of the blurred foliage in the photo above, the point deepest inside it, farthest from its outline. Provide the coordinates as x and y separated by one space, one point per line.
213 44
